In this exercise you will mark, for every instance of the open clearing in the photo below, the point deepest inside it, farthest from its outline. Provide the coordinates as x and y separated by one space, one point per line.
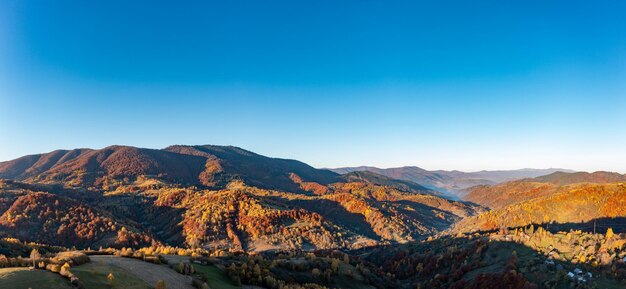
24 278
216 278
148 272
94 276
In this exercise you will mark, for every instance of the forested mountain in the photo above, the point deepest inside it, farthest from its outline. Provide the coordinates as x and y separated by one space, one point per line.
209 166
217 196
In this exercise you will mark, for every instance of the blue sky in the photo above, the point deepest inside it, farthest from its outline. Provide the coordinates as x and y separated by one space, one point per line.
447 85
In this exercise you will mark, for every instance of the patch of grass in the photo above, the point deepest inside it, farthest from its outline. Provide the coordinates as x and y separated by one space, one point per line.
609 283
24 278
217 279
94 276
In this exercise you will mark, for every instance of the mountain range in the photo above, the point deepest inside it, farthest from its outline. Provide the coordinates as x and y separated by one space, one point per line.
218 196
452 183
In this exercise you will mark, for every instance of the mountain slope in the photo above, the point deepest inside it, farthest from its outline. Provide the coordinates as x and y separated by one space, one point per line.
349 215
576 203
507 193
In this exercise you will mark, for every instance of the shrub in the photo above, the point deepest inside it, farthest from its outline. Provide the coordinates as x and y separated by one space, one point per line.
53 268
111 279
65 270
185 268
196 283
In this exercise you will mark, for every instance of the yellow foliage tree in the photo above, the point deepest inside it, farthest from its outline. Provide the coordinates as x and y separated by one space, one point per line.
111 279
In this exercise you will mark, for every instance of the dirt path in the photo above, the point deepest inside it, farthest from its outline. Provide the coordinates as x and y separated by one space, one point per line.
148 272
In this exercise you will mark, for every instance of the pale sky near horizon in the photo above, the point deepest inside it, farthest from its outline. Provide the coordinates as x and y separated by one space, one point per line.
446 85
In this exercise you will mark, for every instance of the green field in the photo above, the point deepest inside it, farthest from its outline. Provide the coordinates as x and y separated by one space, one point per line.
94 276
24 278
217 279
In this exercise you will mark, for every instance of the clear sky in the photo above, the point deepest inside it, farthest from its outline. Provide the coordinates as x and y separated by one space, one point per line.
463 85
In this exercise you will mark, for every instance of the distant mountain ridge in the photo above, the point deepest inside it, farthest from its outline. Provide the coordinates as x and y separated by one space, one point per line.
454 182
377 179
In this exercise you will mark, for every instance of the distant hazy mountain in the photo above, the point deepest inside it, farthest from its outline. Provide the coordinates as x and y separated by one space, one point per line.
455 182
377 179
